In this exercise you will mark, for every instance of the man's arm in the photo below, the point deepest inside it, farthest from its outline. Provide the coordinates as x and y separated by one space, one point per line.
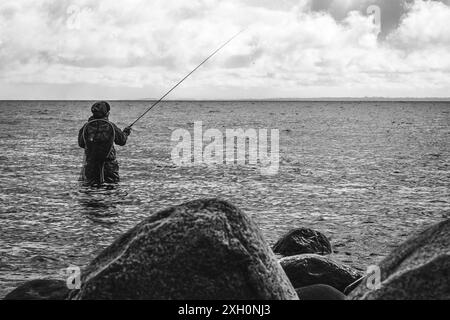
121 136
81 138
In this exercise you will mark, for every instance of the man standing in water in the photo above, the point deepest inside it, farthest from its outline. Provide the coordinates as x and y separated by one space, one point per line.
97 137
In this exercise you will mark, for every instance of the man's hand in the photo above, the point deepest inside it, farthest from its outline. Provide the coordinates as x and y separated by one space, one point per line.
127 131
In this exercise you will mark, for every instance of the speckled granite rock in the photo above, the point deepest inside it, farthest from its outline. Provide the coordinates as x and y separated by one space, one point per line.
417 270
40 290
303 240
310 269
206 249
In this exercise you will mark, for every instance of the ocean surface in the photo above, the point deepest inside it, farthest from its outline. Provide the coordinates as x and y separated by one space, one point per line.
367 174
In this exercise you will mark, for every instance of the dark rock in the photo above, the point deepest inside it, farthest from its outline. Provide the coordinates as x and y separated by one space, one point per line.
310 269
353 286
206 249
417 270
40 290
319 292
301 241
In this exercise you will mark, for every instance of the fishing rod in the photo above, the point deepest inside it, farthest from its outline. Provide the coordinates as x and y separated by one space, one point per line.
182 80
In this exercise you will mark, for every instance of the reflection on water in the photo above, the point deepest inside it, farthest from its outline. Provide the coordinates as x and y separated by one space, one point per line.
102 203
365 174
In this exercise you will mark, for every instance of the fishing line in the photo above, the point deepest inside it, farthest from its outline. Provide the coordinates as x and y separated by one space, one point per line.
187 76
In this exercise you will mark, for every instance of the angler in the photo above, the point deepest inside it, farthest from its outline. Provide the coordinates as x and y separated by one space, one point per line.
97 137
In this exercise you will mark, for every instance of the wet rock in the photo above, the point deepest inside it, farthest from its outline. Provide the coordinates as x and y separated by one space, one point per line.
311 269
419 269
301 241
40 290
205 249
319 292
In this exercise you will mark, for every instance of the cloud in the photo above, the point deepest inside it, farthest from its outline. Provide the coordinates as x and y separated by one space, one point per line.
424 27
292 48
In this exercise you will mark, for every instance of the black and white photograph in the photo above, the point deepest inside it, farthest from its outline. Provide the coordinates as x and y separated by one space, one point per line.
225 154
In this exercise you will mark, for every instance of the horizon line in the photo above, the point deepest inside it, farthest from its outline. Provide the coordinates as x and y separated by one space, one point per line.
313 99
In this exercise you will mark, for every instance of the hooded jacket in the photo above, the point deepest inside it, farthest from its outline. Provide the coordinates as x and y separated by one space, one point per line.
120 138
107 171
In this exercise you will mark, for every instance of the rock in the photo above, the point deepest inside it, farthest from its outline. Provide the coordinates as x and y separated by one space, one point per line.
205 249
419 269
353 286
310 269
40 290
319 292
300 241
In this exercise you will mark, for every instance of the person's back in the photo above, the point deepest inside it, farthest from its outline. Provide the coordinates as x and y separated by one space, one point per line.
98 137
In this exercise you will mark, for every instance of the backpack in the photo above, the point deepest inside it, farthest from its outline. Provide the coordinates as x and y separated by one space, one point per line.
98 136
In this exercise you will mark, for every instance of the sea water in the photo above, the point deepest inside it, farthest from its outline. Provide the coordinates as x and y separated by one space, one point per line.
367 174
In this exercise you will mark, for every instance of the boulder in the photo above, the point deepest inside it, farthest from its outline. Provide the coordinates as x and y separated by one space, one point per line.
311 269
354 285
301 241
205 249
419 269
319 292
40 290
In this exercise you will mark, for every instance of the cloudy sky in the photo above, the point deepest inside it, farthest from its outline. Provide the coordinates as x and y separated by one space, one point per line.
133 49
